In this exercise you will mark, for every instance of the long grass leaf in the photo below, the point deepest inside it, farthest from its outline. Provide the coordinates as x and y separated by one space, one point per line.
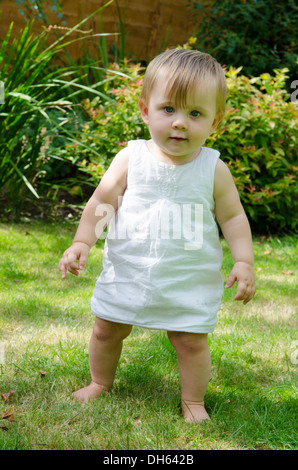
90 89
5 43
71 42
23 177
19 54
21 95
122 33
77 26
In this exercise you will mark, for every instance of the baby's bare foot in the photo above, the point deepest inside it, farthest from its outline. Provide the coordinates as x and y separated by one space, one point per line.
194 411
90 392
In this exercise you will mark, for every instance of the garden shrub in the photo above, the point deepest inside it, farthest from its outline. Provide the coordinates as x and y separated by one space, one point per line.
111 124
39 105
258 35
257 139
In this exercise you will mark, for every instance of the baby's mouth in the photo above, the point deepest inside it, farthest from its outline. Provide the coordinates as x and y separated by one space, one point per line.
178 139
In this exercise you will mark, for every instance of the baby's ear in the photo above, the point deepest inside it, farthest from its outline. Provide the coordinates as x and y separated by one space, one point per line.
144 110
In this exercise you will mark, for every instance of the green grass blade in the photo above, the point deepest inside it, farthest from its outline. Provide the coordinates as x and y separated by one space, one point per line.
23 177
90 89
77 26
5 43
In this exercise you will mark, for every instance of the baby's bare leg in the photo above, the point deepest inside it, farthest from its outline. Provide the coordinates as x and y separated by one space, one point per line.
194 364
104 353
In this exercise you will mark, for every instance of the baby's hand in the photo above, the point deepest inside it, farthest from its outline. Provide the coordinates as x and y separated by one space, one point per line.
243 273
77 252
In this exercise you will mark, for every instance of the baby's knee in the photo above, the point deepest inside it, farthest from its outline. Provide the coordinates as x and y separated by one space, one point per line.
105 331
188 342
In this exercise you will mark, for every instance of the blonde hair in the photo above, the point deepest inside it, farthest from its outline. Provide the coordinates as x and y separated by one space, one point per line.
184 70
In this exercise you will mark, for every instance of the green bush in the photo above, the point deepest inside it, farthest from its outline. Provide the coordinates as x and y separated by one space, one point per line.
260 35
257 139
111 124
40 103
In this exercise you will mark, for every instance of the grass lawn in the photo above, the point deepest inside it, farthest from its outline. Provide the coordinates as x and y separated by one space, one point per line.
45 326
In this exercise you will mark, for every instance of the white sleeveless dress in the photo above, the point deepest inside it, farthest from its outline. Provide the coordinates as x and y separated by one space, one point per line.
162 255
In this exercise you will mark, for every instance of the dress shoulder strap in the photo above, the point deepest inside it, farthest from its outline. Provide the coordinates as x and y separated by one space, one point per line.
136 158
207 163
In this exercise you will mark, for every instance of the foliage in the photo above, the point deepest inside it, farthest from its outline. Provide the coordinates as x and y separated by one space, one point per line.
259 35
41 101
258 140
111 125
55 134
35 9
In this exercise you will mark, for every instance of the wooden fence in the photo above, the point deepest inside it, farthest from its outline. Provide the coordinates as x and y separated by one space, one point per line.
149 24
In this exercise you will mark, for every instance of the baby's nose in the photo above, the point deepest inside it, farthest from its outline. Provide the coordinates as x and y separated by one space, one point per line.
179 122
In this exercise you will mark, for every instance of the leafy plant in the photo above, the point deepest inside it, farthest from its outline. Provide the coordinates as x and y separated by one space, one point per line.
259 35
41 101
111 125
258 141
34 9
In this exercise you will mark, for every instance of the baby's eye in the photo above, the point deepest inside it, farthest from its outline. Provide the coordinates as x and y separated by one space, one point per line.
195 113
169 109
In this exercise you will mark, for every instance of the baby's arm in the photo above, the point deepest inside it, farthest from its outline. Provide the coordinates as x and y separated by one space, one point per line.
235 228
98 211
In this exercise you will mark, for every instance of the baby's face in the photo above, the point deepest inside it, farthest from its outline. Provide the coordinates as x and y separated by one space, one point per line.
178 132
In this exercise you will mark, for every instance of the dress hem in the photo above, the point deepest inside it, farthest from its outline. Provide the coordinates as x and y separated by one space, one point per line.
159 327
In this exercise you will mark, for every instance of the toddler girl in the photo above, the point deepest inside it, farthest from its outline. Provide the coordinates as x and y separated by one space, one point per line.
162 255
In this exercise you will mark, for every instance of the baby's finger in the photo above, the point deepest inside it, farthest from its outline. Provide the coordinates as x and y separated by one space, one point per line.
241 291
74 271
249 295
68 263
72 267
63 268
245 293
230 281
82 261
